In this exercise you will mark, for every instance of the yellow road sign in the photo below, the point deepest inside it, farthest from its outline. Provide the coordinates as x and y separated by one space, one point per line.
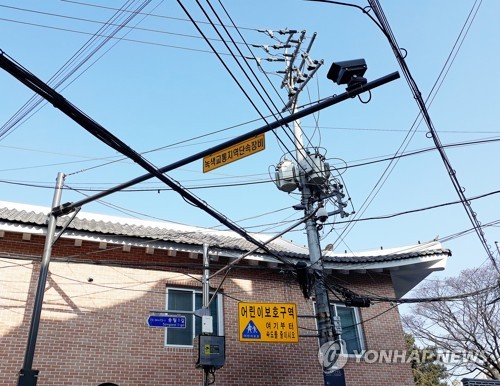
234 153
268 322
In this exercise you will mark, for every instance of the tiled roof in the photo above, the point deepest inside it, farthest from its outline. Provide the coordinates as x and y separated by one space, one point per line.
419 250
25 215
161 231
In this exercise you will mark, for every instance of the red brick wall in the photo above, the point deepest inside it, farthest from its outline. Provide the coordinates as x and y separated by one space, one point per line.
96 332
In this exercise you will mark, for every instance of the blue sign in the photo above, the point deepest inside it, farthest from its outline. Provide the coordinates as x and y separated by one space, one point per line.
251 331
167 321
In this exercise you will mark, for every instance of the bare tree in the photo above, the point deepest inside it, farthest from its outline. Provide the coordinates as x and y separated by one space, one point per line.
466 329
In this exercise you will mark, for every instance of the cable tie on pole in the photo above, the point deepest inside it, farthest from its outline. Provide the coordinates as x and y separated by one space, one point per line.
63 209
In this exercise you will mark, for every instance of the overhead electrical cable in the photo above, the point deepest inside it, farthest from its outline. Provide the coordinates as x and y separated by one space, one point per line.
410 133
175 144
453 53
383 217
114 38
384 26
253 73
149 14
421 151
380 217
252 83
114 142
332 166
349 294
49 185
102 23
71 111
244 72
81 57
471 214
373 129
233 76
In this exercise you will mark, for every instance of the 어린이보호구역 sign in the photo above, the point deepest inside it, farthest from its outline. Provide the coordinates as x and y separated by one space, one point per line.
268 322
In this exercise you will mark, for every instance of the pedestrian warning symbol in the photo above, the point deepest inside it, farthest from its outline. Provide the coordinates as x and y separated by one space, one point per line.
251 331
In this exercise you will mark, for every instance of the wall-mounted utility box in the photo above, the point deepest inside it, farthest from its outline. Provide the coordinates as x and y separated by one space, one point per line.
211 351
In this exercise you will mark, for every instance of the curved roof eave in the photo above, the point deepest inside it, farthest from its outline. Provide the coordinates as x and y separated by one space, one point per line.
178 237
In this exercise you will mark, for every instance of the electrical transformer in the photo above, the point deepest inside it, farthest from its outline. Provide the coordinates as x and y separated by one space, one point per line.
286 177
317 170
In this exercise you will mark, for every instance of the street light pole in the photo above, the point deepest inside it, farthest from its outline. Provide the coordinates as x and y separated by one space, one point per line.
28 376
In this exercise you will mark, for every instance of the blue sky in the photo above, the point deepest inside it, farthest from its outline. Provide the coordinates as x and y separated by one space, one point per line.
160 85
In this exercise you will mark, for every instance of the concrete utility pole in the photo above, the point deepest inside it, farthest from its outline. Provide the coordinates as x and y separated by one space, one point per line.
308 171
323 317
310 174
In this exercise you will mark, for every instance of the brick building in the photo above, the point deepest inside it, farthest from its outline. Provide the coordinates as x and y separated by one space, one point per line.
107 273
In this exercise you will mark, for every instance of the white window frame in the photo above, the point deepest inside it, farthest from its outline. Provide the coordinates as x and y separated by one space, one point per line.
220 314
359 330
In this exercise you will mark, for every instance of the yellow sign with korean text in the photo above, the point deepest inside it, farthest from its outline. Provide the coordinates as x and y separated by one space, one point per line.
268 322
234 153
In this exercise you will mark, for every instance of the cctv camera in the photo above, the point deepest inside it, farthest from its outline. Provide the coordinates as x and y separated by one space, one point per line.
322 214
348 72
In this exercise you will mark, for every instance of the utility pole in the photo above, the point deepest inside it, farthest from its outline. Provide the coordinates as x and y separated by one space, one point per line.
28 376
323 318
305 165
308 171
310 174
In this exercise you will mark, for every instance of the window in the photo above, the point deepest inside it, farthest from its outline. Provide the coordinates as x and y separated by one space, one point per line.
186 301
351 328
350 320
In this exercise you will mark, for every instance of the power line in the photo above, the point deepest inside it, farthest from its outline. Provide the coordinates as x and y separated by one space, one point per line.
351 295
149 14
471 214
114 142
347 166
120 39
385 28
380 217
374 129
253 57
252 83
82 56
102 23
383 217
257 181
214 228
